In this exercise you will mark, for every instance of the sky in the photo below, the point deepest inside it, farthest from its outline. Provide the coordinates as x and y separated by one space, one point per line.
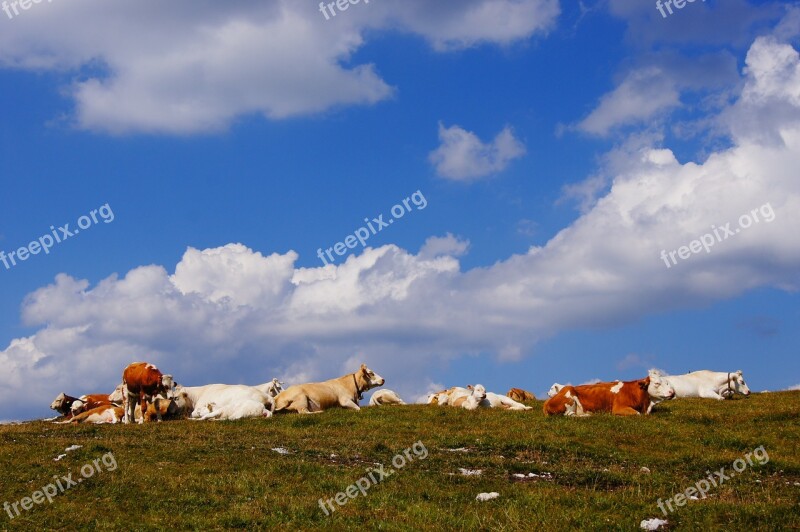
504 192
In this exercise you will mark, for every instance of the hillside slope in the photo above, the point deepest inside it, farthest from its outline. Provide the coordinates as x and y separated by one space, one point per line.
212 475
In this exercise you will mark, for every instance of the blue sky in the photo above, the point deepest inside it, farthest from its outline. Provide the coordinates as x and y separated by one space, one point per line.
559 148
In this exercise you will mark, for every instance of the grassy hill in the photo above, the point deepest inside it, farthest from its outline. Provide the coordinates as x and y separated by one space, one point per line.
215 475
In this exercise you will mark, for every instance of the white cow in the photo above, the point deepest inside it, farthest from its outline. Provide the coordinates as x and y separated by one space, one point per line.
225 400
231 411
385 397
554 389
495 400
473 400
706 384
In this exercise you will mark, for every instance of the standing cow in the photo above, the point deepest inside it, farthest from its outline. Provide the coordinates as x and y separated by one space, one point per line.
140 383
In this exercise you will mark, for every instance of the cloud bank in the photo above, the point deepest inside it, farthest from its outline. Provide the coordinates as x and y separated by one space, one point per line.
192 66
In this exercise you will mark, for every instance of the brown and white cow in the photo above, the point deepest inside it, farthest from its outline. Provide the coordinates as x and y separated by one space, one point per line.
91 401
628 398
140 383
520 395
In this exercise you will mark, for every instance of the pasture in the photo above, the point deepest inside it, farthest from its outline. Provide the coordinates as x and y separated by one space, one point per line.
227 475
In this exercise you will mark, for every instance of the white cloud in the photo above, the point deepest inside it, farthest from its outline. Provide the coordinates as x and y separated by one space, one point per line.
642 95
187 67
231 314
462 156
450 245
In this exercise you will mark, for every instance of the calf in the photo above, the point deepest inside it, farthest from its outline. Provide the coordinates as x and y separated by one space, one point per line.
519 395
141 382
629 398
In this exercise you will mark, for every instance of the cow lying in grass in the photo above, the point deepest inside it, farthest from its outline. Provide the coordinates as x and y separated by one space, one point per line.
172 408
94 400
629 398
520 395
385 397
342 392
456 396
231 411
706 384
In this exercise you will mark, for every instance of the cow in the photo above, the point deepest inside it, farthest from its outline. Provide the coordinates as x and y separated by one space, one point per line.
102 414
225 398
385 397
628 398
343 392
520 395
706 384
92 401
477 396
554 389
231 411
471 401
495 400
141 382
63 404
444 397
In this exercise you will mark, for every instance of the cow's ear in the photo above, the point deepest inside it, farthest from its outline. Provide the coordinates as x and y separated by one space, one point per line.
644 383
363 367
739 372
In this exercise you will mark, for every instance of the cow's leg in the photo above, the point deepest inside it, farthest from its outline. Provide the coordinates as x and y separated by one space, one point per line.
624 411
143 407
349 404
130 408
125 401
707 393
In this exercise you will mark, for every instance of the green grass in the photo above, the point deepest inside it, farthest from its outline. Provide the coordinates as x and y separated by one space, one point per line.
225 475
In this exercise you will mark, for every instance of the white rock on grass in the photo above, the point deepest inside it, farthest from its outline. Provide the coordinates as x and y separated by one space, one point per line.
470 472
652 524
487 496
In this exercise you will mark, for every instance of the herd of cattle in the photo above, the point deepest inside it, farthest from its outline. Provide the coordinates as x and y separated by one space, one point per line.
146 394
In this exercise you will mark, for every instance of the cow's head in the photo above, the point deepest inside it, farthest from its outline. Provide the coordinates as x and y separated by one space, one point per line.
554 389
182 402
167 385
370 378
59 401
736 384
658 388
116 395
479 392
